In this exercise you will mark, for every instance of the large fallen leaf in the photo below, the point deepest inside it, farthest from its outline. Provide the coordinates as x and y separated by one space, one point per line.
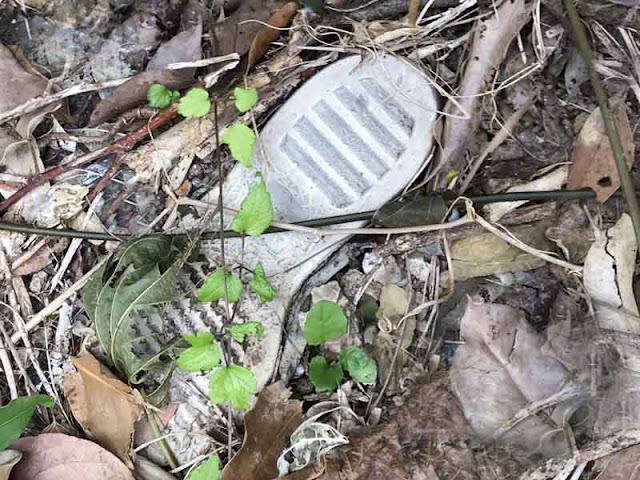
428 439
141 274
236 33
624 465
55 456
594 165
267 430
8 458
499 371
106 408
489 45
485 254
262 41
608 278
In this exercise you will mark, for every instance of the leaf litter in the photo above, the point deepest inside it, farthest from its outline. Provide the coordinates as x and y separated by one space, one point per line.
509 389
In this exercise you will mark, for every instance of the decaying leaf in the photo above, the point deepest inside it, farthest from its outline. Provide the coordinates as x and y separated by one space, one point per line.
267 430
262 41
422 210
236 33
41 258
141 274
106 408
594 165
428 439
55 456
8 458
608 278
486 254
489 45
624 465
499 371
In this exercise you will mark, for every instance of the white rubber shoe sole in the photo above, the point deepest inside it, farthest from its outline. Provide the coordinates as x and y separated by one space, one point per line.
349 140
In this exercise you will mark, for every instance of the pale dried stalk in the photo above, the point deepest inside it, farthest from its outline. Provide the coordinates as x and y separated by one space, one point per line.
8 370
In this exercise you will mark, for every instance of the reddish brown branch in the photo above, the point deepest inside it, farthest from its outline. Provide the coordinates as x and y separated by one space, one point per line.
118 147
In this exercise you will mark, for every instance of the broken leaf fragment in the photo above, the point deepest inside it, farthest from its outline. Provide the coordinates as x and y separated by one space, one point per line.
324 376
240 139
15 415
256 211
203 355
213 288
261 286
233 385
245 98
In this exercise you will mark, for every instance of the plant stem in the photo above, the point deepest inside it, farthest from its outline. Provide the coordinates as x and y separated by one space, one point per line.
582 42
166 451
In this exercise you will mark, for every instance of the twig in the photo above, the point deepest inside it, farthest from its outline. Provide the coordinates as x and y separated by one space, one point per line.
497 140
8 370
38 318
511 240
119 146
38 102
204 62
582 42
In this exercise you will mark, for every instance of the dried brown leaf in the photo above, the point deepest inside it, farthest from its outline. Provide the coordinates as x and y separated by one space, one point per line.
489 45
594 165
236 33
624 465
106 408
267 430
41 258
500 370
266 35
54 456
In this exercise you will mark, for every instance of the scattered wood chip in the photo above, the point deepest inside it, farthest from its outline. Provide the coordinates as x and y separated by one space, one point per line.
267 430
54 456
594 165
106 408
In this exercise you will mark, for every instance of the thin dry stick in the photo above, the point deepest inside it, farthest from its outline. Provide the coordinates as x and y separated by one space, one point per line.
168 454
8 370
511 240
38 102
496 141
39 317
16 358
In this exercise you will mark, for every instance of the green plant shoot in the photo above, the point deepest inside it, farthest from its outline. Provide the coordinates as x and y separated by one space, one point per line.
324 376
261 286
213 287
238 331
203 355
207 470
240 139
325 322
15 415
360 366
195 103
256 211
233 384
245 98
160 96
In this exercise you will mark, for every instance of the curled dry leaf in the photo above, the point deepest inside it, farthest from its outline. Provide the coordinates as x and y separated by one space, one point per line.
594 165
499 371
608 278
106 408
489 45
8 458
267 430
262 41
55 456
236 33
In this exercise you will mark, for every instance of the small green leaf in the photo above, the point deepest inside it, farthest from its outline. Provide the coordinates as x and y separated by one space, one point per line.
245 99
203 354
232 385
240 139
256 211
360 366
15 415
237 331
213 287
324 376
160 96
261 286
208 470
195 103
325 322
